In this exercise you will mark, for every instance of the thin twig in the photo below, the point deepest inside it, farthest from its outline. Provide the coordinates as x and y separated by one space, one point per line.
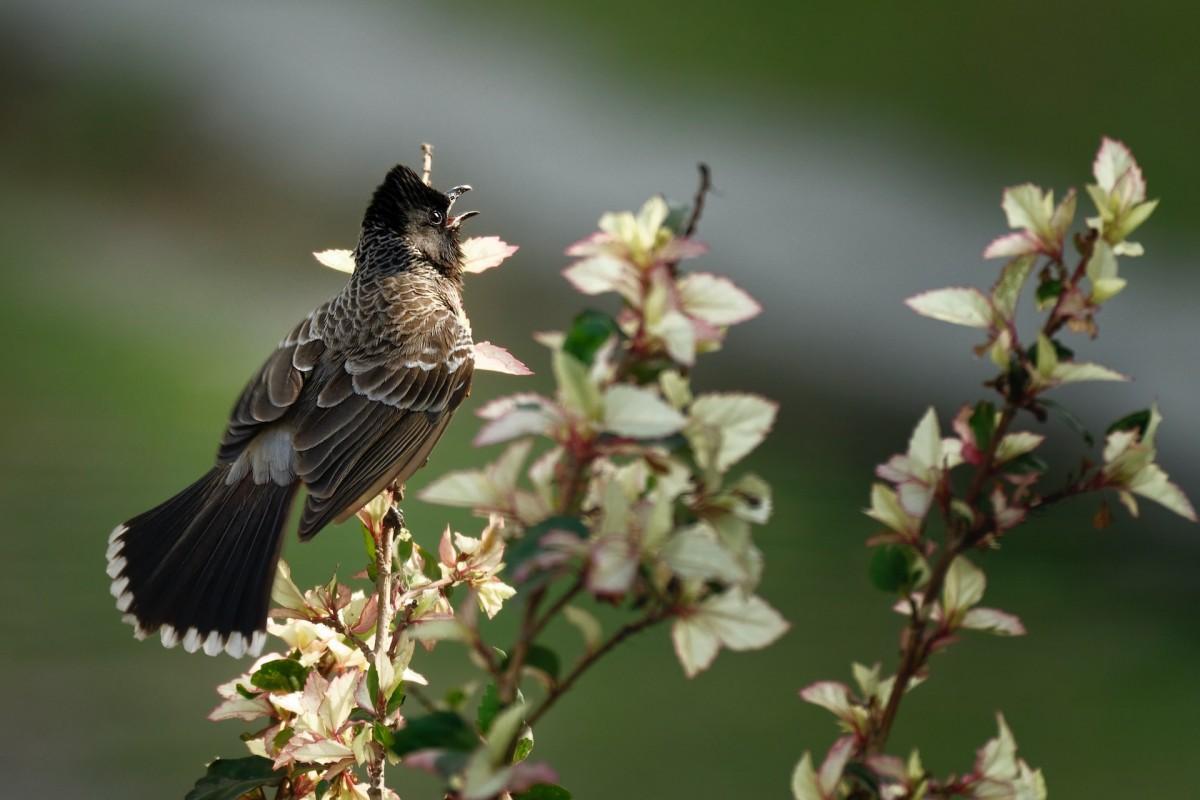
383 593
918 645
516 661
698 202
591 658
426 163
341 628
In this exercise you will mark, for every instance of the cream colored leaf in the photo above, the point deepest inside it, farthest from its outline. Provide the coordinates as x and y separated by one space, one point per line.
494 358
956 305
587 625
341 260
716 300
740 422
695 553
639 413
964 587
481 253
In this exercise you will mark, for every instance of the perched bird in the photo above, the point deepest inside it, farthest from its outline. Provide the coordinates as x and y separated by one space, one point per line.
352 400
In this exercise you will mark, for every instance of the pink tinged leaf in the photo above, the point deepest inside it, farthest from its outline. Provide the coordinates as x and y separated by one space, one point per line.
1012 244
957 305
481 253
716 300
1113 161
242 708
613 567
515 424
366 620
499 407
832 696
994 620
340 260
593 244
834 764
680 249
896 469
309 746
915 498
525 775
494 358
603 273
425 760
446 550
890 767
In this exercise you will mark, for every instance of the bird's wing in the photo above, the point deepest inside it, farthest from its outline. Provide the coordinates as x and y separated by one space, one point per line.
276 387
377 417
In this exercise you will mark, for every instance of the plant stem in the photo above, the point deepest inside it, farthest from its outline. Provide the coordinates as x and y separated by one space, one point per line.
917 644
383 594
585 663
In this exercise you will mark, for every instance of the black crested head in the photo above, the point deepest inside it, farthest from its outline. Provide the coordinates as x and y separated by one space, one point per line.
407 219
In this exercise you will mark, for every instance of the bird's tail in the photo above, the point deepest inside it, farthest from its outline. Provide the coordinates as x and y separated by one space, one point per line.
199 568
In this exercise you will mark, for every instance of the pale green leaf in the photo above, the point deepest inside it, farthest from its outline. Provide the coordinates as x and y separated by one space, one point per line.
994 620
738 421
587 625
956 305
715 300
964 587
639 413
1153 484
1008 287
1017 444
1027 206
340 260
695 553
576 390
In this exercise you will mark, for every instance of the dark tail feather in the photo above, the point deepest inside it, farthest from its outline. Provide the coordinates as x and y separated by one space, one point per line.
199 568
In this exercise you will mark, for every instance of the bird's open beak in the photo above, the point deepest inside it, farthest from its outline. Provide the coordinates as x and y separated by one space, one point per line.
454 194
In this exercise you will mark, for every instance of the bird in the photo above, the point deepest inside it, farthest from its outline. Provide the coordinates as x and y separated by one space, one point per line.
351 402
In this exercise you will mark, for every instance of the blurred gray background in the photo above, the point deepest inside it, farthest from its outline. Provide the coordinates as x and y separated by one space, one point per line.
166 170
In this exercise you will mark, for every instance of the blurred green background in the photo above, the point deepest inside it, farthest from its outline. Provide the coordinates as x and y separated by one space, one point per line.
165 170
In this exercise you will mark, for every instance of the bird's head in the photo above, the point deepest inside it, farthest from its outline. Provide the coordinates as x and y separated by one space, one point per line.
408 220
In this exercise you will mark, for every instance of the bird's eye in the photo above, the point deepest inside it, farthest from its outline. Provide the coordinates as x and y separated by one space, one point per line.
436 217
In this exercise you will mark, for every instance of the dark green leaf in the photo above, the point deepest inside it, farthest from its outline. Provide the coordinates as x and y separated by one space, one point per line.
282 674
1138 420
890 568
1073 422
397 698
677 217
1049 291
430 564
489 707
541 659
455 697
230 778
647 370
1024 464
282 737
588 333
373 683
543 791
983 424
522 749
404 548
441 729
528 544
383 734
246 693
